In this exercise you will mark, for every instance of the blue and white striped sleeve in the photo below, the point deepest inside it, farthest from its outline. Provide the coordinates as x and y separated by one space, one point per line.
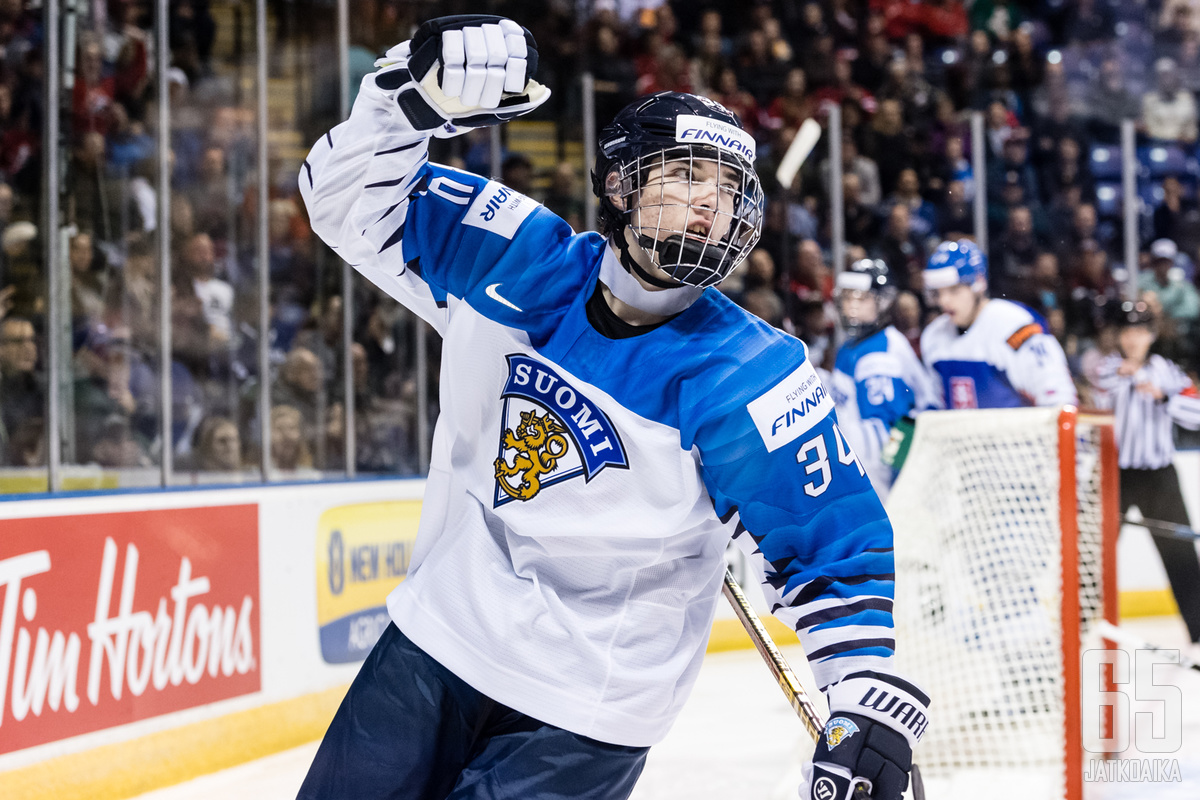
418 230
780 470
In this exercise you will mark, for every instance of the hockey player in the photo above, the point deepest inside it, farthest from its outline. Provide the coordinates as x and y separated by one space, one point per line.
607 424
987 352
877 378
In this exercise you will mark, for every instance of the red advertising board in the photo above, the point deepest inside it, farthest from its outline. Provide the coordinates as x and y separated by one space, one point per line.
110 618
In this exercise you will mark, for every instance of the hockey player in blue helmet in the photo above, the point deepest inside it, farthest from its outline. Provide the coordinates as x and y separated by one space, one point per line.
987 352
877 381
608 423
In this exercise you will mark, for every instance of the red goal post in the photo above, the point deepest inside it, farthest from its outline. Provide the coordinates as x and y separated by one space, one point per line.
1006 523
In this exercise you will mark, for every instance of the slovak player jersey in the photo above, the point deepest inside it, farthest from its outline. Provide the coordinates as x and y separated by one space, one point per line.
876 381
582 489
1006 359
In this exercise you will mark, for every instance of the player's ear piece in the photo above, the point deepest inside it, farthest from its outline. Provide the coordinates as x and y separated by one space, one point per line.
612 189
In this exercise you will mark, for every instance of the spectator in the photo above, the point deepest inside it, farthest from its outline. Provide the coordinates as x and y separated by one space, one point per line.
1176 217
1169 112
812 280
1016 250
1067 167
116 446
384 426
953 166
793 106
736 99
1085 227
102 390
1014 158
764 304
289 448
198 268
614 74
1179 299
1108 101
87 283
323 338
853 163
1091 281
300 386
888 144
859 218
22 387
922 214
1089 21
900 247
1045 293
956 215
906 318
217 446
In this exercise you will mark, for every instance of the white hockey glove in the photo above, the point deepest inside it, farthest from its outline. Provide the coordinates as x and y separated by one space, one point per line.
875 720
463 72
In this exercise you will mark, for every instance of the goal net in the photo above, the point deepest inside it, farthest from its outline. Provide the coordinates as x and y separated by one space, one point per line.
1005 524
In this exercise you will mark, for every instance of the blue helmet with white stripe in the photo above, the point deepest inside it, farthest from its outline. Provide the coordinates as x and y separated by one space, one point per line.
960 262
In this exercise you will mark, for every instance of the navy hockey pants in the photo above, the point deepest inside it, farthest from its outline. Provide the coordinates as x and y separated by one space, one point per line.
409 729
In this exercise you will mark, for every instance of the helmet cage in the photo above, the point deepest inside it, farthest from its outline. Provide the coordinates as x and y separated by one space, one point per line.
698 186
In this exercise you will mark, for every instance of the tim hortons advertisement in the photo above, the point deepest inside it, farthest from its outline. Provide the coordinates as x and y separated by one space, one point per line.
112 618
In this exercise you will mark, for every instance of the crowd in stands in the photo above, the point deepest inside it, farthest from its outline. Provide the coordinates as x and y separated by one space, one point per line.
112 399
1053 79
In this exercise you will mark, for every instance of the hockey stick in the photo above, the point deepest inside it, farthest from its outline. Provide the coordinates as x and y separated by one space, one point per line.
1171 530
787 680
1124 637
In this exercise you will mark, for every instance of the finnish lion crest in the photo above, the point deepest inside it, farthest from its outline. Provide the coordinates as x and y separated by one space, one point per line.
839 729
539 442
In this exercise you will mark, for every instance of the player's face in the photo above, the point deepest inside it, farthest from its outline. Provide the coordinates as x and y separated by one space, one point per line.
694 197
1135 341
858 308
960 301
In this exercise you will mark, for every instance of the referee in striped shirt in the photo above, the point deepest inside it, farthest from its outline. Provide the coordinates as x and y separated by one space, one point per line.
1147 393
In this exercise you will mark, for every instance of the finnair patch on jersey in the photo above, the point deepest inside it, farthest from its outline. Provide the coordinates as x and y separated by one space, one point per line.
549 433
792 408
499 209
691 129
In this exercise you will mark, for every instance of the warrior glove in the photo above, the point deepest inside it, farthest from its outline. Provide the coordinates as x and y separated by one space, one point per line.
463 72
875 720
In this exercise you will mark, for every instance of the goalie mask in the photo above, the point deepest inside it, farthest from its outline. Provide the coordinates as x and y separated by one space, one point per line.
677 172
864 296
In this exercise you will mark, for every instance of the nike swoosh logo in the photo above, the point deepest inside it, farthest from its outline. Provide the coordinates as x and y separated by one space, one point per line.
492 293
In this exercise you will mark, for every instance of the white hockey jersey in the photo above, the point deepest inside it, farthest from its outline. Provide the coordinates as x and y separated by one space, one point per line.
582 489
875 382
1005 359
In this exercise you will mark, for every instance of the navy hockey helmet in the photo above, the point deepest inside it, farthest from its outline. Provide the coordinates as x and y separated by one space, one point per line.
1136 313
865 277
678 170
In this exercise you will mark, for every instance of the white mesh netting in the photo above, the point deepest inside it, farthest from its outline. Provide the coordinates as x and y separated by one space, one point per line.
978 594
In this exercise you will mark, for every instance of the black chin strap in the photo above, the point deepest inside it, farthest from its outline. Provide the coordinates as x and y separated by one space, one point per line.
630 264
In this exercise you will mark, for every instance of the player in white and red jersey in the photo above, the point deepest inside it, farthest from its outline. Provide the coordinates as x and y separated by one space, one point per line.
987 352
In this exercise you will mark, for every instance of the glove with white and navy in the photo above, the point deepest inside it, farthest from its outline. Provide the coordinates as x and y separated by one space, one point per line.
875 720
463 72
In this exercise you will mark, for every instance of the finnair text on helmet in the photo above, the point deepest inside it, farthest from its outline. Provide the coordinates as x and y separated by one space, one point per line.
694 129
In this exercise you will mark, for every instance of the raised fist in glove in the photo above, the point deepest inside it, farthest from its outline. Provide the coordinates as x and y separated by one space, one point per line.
462 72
875 720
